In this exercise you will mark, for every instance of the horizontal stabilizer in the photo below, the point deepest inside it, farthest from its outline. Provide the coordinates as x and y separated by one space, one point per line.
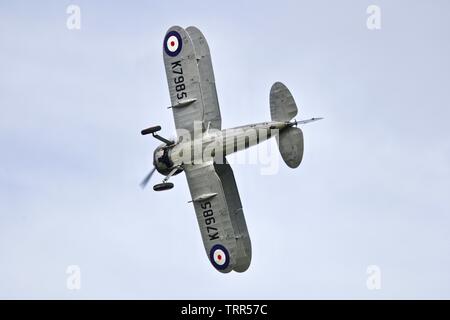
290 143
282 104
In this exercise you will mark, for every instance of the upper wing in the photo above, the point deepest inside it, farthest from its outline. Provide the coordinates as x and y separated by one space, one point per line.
207 81
220 234
183 79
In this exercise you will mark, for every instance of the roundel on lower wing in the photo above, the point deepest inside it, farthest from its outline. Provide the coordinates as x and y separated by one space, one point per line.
219 257
173 43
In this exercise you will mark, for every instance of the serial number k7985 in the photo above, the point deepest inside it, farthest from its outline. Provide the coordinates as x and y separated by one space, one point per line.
210 221
179 80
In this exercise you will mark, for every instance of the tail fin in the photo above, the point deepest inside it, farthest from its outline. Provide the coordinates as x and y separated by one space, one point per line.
290 139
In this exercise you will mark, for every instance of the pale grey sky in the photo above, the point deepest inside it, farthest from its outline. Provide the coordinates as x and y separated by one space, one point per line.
372 189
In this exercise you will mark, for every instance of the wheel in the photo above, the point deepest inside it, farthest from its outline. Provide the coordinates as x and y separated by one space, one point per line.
163 186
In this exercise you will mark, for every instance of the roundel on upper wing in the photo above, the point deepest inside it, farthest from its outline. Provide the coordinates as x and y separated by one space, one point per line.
173 43
219 257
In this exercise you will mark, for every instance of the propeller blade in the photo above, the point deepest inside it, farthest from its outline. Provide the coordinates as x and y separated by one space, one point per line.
147 178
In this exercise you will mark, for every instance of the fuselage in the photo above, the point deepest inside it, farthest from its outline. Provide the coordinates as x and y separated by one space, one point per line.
214 144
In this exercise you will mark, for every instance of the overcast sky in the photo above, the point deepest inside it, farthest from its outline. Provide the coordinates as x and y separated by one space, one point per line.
373 187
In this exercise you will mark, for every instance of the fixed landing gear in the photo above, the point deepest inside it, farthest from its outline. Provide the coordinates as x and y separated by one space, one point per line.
166 185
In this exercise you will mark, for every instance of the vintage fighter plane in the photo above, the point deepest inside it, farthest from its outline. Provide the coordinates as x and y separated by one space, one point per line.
201 146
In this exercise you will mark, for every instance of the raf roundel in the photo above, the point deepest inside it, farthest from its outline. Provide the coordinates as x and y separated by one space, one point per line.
219 257
173 43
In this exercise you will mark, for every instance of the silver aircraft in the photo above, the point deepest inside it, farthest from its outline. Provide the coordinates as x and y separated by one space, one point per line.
201 146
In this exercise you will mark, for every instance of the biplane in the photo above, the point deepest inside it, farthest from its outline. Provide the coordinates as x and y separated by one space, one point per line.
201 146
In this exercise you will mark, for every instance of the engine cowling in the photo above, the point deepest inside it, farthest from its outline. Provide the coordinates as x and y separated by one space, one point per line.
162 161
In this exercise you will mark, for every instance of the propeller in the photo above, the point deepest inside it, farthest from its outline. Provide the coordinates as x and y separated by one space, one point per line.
147 178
